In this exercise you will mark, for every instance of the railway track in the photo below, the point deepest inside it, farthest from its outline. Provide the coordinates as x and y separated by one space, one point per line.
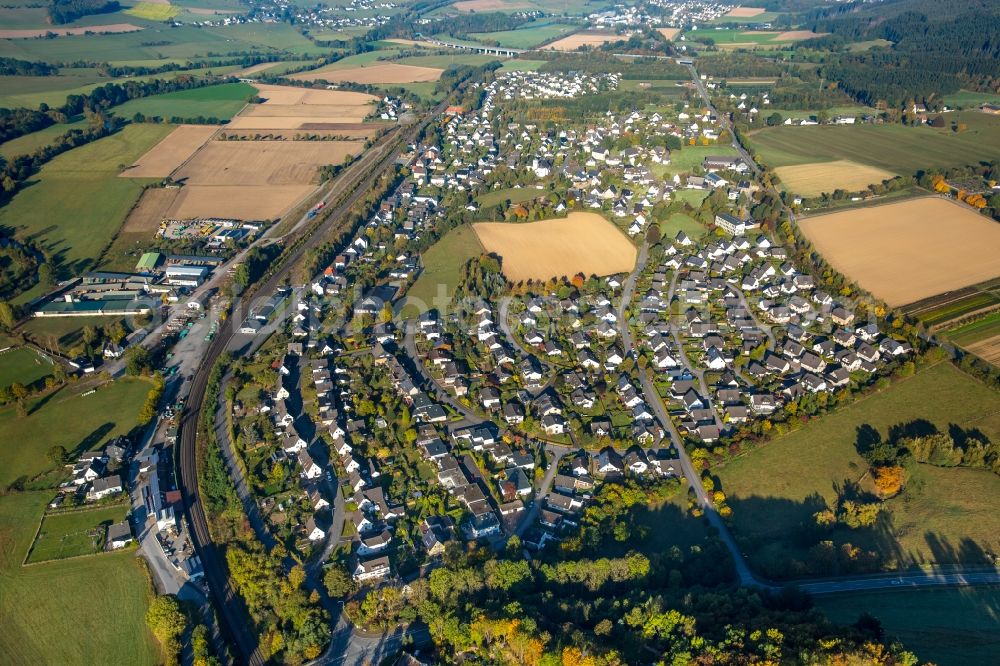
355 182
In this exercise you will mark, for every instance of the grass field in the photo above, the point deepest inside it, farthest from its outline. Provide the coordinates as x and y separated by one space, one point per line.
78 203
221 101
896 148
960 307
521 65
688 157
690 197
965 99
446 61
515 195
910 250
153 11
775 490
681 222
24 366
442 263
975 331
587 243
946 626
27 144
69 419
66 330
526 37
91 608
76 533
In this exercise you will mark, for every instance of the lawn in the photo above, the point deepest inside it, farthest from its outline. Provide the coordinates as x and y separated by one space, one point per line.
515 195
946 626
521 65
77 203
442 263
688 157
898 148
83 611
681 222
222 101
526 37
24 366
775 490
66 418
74 533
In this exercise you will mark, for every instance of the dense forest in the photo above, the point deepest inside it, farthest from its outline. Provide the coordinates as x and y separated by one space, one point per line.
67 11
15 67
933 53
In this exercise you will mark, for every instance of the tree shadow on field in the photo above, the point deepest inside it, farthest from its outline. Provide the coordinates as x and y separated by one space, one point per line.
91 441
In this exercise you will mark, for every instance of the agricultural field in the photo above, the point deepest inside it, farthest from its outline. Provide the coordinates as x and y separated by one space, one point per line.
981 337
967 99
164 158
514 195
264 162
726 38
580 243
897 148
526 37
78 203
153 11
907 251
811 180
69 419
521 65
92 608
75 533
23 365
376 73
945 626
442 263
590 38
34 33
222 101
291 108
942 310
775 490
669 34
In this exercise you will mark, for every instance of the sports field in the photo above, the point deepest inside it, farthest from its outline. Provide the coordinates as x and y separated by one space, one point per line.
69 419
897 148
87 610
78 203
23 365
74 533
163 158
580 243
910 250
776 489
813 179
945 626
442 263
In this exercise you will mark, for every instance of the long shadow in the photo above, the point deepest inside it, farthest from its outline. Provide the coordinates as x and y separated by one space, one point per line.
41 402
91 441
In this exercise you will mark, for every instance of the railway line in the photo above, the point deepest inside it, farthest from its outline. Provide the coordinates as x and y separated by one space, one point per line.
354 183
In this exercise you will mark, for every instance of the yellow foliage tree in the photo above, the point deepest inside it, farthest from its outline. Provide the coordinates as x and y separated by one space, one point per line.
889 480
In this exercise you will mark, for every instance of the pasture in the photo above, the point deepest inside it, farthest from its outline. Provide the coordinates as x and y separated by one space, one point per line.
74 533
907 251
442 263
580 243
69 419
775 489
92 608
34 33
164 158
897 148
23 365
945 626
78 204
222 102
811 180
586 39
526 37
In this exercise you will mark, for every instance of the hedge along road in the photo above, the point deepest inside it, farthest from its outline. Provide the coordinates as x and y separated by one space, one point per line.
354 182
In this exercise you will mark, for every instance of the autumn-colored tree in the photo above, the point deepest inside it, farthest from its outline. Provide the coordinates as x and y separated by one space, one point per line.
889 480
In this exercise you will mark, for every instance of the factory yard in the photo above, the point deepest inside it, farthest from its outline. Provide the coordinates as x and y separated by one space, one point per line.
907 251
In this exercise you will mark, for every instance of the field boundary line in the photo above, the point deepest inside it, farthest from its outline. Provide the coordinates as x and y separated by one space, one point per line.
99 553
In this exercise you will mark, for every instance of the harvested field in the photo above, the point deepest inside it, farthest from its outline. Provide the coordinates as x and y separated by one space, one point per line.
745 12
62 32
798 35
153 207
349 130
813 179
988 350
582 242
264 162
573 42
380 73
907 251
669 33
239 202
289 96
293 108
489 5
172 152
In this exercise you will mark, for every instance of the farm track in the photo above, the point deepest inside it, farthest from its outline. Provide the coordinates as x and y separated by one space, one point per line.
351 186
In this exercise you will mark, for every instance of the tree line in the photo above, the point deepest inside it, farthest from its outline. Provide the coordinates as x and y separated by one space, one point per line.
67 11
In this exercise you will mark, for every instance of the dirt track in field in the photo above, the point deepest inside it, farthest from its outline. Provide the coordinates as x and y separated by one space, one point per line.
580 243
910 250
